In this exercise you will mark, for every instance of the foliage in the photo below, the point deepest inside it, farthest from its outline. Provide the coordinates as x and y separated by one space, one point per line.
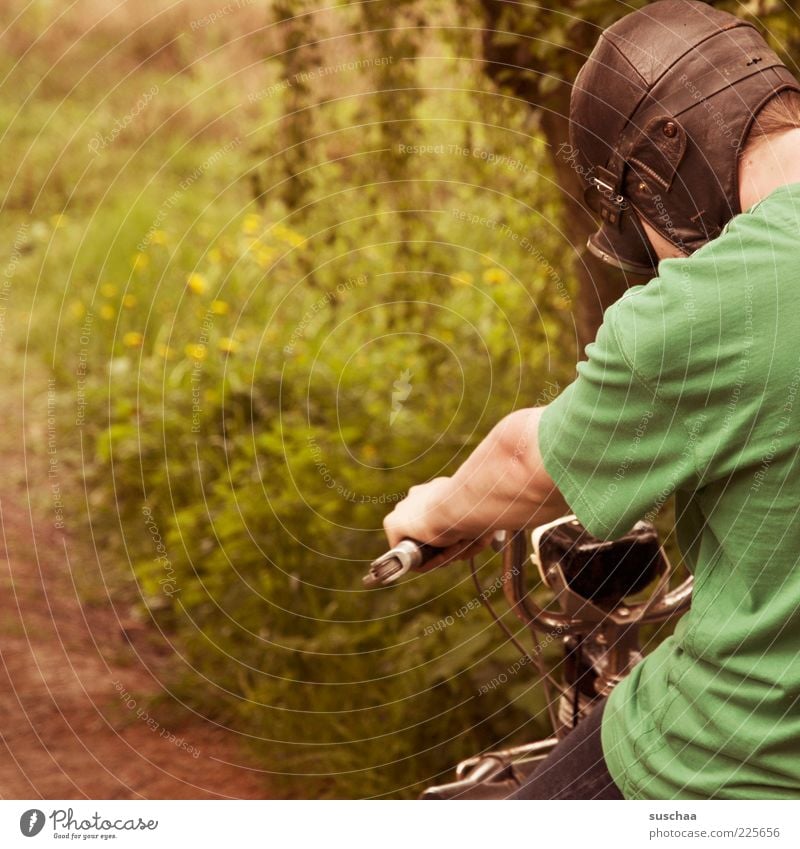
226 299
537 50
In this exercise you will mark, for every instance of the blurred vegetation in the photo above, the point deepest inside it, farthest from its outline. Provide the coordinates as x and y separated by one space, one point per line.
282 264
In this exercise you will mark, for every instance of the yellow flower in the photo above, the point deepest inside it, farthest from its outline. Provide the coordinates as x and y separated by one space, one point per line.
251 223
58 221
108 290
294 238
461 278
196 283
195 352
159 237
129 301
215 256
494 276
288 235
165 351
229 346
107 312
132 340
77 309
264 257
140 261
219 307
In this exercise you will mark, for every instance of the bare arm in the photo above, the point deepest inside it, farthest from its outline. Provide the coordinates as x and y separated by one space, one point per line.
502 485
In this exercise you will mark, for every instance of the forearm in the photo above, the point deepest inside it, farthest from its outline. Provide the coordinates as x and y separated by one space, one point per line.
503 484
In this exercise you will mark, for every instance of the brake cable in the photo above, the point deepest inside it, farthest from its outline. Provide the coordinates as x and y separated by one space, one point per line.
547 680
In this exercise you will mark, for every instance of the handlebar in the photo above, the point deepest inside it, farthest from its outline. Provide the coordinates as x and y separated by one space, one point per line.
406 555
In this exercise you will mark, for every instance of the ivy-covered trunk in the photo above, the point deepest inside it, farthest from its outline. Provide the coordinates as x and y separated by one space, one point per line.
535 53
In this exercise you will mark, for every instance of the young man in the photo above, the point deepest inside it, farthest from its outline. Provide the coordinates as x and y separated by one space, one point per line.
689 128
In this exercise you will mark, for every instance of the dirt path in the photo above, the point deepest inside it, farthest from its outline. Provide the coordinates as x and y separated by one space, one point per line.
76 678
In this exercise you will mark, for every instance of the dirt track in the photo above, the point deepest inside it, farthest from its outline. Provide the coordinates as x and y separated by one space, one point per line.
68 668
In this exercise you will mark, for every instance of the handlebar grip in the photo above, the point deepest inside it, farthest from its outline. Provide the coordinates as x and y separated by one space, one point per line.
406 555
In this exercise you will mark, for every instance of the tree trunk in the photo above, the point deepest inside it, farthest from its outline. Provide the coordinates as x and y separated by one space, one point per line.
542 76
599 285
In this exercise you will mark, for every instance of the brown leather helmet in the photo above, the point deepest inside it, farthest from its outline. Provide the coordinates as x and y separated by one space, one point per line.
658 117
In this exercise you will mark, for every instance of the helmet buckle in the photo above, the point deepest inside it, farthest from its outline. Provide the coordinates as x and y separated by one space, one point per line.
611 201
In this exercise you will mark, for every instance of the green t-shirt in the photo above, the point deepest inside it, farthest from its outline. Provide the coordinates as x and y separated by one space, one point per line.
693 387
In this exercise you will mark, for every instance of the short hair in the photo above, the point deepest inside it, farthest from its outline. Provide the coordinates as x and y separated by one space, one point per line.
779 114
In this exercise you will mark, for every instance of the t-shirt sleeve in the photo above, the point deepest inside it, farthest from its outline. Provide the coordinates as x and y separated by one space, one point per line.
618 442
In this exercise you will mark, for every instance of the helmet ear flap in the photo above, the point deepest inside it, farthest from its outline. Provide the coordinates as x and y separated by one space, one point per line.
625 246
652 162
657 152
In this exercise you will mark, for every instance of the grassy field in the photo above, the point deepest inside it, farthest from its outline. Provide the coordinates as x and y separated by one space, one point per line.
269 276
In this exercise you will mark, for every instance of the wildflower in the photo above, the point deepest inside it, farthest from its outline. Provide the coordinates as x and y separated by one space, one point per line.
227 345
494 276
159 237
461 278
107 312
196 283
77 309
195 352
165 351
132 340
264 257
251 223
108 290
292 237
129 301
219 308
119 366
140 261
40 231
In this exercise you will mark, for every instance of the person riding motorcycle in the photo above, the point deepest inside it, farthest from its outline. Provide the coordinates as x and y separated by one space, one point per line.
686 127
